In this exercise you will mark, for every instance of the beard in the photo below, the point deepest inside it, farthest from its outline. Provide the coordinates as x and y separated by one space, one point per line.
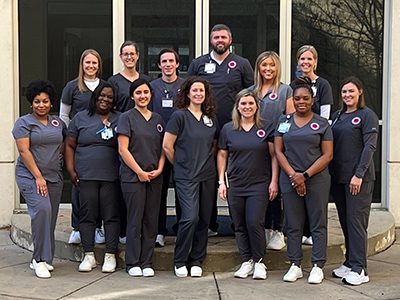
220 50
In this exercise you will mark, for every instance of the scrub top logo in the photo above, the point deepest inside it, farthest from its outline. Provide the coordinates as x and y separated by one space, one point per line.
260 133
314 126
232 64
55 123
115 129
160 128
356 121
273 96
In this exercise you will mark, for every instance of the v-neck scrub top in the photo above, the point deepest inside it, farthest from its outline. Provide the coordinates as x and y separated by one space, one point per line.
145 143
194 159
303 145
355 136
45 142
249 161
95 158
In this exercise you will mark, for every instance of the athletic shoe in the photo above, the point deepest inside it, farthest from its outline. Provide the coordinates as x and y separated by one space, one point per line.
277 242
148 272
316 275
268 235
212 233
353 278
196 271
88 263
40 269
49 267
246 269
122 240
181 272
160 240
110 263
341 271
260 271
293 274
99 237
303 240
75 237
308 241
135 272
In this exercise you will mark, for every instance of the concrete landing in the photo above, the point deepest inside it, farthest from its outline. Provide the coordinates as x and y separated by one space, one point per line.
223 255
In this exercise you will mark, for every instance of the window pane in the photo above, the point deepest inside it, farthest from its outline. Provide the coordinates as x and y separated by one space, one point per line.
158 24
254 25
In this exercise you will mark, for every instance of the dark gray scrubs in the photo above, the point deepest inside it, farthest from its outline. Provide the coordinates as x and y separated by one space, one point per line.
45 142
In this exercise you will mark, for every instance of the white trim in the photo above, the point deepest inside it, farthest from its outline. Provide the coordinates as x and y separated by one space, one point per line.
16 87
285 38
206 27
198 28
118 30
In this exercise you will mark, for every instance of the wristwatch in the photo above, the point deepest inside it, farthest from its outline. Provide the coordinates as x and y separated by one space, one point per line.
306 176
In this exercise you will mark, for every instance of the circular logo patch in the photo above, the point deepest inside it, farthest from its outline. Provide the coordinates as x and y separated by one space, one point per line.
160 128
232 64
273 96
314 126
115 129
356 121
260 133
55 123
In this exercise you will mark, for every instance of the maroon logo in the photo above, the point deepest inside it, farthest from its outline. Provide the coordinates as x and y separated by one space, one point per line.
314 126
55 123
160 128
260 133
273 96
232 64
356 121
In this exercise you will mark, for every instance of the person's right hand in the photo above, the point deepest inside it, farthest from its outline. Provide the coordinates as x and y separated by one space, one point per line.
222 191
74 178
301 189
144 176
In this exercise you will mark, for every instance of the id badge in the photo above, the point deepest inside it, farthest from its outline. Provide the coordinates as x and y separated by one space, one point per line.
107 134
209 68
167 103
284 127
207 121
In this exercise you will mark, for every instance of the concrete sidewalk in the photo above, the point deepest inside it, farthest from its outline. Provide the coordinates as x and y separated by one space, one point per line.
17 281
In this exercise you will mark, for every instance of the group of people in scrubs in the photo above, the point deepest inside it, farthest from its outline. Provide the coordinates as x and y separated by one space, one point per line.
277 145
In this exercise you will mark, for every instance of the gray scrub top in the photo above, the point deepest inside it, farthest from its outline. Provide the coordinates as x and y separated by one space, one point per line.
303 145
44 144
95 158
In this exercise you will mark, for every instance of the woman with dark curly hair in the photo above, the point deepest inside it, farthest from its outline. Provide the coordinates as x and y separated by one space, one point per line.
39 138
189 144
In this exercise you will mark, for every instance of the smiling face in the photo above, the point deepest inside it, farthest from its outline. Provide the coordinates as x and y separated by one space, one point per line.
105 101
129 56
267 69
142 96
197 93
168 64
247 107
307 63
90 66
302 100
220 41
351 95
41 105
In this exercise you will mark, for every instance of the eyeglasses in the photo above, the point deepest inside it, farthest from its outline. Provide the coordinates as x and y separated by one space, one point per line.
126 55
106 97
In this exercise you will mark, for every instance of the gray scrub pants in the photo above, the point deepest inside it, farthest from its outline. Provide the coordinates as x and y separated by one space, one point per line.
196 200
142 203
43 212
315 205
248 215
354 214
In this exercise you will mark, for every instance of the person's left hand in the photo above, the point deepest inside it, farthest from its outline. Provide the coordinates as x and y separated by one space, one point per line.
296 179
273 190
355 185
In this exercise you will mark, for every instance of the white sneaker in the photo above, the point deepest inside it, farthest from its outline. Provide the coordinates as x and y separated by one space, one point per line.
122 240
49 267
246 269
40 269
196 271
148 272
308 241
277 242
268 235
181 272
88 263
316 275
212 233
293 274
75 237
341 271
110 263
353 278
135 272
260 271
303 240
99 237
160 240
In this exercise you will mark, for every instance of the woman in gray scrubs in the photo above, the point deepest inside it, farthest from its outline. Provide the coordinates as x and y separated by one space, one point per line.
91 156
39 137
355 129
189 144
304 147
245 155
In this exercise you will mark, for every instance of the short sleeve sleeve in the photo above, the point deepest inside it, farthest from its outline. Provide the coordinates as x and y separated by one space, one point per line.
223 138
21 129
175 123
328 135
124 124
73 130
66 96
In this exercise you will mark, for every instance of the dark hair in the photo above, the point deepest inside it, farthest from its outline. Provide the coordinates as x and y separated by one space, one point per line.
219 27
138 82
303 82
357 82
208 107
168 50
40 86
95 96
128 43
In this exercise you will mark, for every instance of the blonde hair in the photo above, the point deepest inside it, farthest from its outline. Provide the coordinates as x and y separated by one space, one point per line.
236 114
258 78
81 76
310 48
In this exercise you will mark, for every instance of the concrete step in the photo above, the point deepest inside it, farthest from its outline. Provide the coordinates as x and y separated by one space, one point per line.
222 251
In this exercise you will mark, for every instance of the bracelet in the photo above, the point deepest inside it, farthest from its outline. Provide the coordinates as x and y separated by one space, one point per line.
221 182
